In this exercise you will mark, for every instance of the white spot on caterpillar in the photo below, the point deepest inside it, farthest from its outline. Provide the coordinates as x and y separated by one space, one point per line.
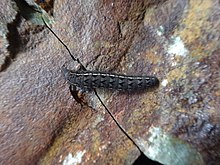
177 48
72 160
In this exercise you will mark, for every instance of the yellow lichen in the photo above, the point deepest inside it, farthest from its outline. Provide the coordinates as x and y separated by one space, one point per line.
195 20
177 73
194 34
151 57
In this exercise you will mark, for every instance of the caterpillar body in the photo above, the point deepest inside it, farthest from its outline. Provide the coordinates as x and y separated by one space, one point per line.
94 79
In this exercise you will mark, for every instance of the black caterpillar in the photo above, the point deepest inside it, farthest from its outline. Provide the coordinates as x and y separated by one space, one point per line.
93 79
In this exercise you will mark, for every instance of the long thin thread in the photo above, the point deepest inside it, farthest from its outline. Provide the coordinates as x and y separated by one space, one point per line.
116 122
112 116
75 59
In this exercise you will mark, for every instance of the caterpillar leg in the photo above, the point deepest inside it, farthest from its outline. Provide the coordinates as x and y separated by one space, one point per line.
78 96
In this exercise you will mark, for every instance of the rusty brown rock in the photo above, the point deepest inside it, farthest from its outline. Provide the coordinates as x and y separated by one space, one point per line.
175 40
7 16
29 117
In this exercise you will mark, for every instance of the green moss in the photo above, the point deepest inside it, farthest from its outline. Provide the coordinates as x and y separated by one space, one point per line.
167 149
32 12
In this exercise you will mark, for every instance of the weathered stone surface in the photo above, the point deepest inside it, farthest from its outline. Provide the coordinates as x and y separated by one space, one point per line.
29 117
178 123
7 16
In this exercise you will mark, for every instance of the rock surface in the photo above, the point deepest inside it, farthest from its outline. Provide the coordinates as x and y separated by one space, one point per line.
175 40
